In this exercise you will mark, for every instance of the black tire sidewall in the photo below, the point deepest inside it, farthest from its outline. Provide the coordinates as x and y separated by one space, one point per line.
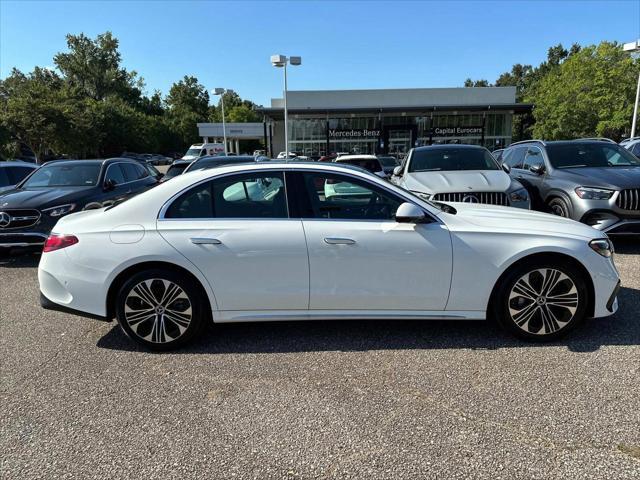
191 290
562 203
501 307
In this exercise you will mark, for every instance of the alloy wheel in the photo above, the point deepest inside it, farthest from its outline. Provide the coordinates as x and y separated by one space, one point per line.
543 301
158 310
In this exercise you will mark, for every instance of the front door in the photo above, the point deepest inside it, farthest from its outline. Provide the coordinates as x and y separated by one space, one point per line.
237 231
360 258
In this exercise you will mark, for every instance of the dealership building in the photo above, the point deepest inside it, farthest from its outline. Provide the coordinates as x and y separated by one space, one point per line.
385 121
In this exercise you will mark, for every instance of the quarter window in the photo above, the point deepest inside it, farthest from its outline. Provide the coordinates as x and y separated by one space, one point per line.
254 195
335 196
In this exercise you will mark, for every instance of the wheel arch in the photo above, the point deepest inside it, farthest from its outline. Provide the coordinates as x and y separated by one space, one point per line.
121 277
546 256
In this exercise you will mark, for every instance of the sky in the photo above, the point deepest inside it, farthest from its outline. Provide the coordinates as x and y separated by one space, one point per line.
343 44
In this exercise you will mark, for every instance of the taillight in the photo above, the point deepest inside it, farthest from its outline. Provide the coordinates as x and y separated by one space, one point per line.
56 242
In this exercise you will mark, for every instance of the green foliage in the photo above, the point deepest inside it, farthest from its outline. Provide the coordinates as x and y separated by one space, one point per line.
93 107
591 93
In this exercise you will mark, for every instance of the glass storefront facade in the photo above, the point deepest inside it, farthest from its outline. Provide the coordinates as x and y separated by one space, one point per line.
374 134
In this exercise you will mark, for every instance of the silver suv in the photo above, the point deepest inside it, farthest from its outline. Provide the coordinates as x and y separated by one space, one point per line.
594 181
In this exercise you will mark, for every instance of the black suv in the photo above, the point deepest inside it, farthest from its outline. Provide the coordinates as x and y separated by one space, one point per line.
29 211
594 181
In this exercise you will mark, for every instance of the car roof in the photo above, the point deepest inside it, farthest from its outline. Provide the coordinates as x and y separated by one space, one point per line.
178 163
88 161
19 163
227 158
342 158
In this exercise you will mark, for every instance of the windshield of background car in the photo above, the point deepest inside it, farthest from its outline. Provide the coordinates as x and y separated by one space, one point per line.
388 161
576 155
193 152
369 164
174 171
66 175
444 159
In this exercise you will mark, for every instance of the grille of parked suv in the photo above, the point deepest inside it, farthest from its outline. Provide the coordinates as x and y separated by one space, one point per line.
18 218
490 198
629 199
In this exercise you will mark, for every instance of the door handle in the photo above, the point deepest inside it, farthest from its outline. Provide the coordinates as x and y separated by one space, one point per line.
205 241
339 241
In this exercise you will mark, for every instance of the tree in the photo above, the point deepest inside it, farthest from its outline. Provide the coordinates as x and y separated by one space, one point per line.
590 93
32 109
93 66
188 104
476 83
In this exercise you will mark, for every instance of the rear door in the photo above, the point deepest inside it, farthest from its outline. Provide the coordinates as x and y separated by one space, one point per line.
360 258
236 229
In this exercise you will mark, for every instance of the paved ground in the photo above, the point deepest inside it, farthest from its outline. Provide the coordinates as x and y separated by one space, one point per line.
374 400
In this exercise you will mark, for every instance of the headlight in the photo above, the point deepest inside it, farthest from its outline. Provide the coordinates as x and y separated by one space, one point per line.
59 210
520 195
589 193
602 246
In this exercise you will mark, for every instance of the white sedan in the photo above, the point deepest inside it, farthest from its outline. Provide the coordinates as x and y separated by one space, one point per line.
265 242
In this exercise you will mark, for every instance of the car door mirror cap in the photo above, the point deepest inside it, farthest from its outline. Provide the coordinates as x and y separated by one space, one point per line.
537 169
109 184
410 213
506 168
397 171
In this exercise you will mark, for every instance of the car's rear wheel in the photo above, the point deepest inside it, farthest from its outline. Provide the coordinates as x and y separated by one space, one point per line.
541 300
559 207
160 309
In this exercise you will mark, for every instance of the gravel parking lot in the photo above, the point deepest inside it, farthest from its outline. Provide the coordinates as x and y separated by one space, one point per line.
318 400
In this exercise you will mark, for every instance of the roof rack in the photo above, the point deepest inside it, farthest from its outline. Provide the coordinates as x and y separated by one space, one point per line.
527 141
598 139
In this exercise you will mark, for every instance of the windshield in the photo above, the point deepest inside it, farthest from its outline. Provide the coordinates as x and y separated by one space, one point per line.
369 164
437 159
175 170
576 155
388 161
66 175
193 152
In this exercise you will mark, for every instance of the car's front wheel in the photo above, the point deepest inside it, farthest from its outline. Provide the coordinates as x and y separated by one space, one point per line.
541 300
160 309
559 207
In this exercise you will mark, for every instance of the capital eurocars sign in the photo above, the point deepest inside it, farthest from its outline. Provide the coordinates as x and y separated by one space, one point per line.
456 131
354 133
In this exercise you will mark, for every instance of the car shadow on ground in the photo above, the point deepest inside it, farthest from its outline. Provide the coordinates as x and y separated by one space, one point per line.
623 328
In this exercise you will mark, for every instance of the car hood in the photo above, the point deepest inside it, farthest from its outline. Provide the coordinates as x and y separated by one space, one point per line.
611 177
41 198
457 181
488 218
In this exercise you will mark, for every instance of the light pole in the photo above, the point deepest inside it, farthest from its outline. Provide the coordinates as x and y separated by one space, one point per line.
281 61
634 49
221 92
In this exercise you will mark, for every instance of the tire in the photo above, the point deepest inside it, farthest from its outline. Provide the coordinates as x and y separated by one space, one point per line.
541 300
560 207
157 321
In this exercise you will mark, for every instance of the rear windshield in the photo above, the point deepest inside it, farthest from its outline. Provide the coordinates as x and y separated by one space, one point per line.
66 175
576 155
369 164
452 159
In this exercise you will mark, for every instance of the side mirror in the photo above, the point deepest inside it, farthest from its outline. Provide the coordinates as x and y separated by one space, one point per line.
397 172
410 213
537 169
109 184
506 168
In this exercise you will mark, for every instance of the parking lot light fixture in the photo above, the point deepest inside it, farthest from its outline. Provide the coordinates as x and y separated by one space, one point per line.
221 92
279 61
634 49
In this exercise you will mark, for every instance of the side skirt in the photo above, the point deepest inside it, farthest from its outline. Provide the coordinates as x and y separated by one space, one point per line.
230 316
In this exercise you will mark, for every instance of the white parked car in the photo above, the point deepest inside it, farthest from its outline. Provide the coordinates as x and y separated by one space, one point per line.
263 242
459 173
370 163
283 155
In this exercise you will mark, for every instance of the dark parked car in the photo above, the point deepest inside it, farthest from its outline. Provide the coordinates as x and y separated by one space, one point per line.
29 211
388 163
13 172
212 161
176 168
594 181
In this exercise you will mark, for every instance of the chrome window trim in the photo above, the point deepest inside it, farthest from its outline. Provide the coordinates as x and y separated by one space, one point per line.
161 214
